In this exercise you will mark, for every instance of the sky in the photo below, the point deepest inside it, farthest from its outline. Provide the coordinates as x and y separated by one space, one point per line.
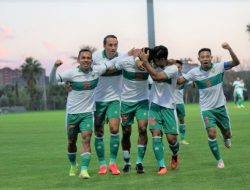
56 29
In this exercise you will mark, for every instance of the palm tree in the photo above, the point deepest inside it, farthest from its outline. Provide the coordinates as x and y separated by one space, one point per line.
31 70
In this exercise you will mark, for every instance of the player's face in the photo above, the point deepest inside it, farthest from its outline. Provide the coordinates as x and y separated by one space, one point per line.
85 60
205 59
179 66
111 47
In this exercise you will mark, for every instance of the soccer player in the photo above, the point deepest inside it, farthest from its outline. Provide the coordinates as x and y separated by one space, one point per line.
134 103
80 105
208 78
180 107
236 85
162 117
239 87
107 99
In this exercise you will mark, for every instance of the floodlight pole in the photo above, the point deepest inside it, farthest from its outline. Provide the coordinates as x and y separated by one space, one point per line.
151 26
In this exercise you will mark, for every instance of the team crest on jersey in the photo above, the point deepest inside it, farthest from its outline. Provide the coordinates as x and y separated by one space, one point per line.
152 121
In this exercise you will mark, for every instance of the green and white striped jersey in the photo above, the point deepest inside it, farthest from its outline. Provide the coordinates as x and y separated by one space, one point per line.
81 98
109 86
209 83
162 92
135 81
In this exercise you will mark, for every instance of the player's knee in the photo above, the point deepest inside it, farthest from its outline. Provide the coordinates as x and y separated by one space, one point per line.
143 130
99 132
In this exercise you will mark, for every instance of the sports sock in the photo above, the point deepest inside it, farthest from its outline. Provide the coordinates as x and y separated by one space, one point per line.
114 146
182 128
174 148
213 145
72 158
141 149
99 148
85 157
158 150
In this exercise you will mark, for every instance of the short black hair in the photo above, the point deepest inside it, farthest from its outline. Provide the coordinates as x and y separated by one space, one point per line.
179 62
204 49
150 58
84 50
108 36
160 52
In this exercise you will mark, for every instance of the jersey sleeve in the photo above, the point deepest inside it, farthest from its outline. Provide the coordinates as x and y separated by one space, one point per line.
189 76
171 71
62 77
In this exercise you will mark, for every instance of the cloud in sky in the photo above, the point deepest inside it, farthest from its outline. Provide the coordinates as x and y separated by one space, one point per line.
5 33
50 46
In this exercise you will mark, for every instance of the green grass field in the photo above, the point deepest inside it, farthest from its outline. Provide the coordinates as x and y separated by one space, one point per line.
33 156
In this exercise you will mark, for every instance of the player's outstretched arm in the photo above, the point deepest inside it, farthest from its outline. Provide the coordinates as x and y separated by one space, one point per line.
52 77
235 61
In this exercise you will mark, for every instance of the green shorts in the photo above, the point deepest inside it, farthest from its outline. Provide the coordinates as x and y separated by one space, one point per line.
129 110
81 122
164 119
216 117
106 111
180 110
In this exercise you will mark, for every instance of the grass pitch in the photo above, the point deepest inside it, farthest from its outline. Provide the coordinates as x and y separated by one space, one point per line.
33 156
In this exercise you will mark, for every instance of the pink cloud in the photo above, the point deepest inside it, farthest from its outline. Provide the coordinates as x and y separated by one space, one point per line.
51 47
5 33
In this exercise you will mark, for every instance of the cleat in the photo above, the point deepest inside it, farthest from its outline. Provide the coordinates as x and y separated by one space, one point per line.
139 168
102 170
162 171
220 164
73 170
126 168
84 174
113 169
227 142
184 142
174 162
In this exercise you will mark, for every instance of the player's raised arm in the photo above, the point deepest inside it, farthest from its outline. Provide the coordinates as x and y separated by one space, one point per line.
53 78
235 61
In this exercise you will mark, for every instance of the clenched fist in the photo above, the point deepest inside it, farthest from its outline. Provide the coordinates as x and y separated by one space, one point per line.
225 45
58 63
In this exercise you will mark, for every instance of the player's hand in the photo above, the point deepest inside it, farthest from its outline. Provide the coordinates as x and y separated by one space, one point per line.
67 86
134 52
144 56
58 63
225 45
139 64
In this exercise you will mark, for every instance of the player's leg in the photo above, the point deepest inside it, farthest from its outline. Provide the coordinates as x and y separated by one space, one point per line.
126 145
113 114
99 133
171 130
210 126
223 122
142 121
127 116
180 109
72 132
86 127
155 126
